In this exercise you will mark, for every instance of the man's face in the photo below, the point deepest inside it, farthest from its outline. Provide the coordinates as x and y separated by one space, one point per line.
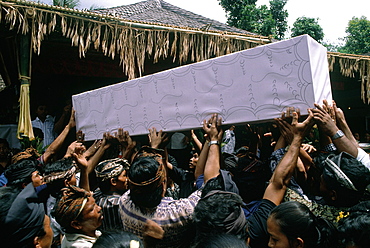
41 111
91 216
194 160
121 183
325 192
37 179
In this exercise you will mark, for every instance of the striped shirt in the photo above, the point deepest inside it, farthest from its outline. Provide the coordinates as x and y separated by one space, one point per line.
110 205
174 216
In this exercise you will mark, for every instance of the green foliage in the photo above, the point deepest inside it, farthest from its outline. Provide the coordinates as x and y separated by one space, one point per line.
244 14
66 3
332 47
35 143
357 40
279 15
307 25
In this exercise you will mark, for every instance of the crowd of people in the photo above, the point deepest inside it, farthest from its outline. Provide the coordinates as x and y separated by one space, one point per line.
300 181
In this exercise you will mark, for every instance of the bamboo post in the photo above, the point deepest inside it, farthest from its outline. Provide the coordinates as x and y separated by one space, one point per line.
24 123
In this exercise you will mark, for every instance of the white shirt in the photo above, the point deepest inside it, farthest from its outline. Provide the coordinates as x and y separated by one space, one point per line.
47 127
77 240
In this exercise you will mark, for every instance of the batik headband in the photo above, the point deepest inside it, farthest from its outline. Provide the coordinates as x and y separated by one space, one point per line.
111 168
60 175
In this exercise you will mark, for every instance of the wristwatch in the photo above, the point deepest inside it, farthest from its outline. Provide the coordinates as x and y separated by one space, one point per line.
337 135
213 142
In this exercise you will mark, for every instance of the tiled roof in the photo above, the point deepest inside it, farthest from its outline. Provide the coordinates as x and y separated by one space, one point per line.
161 12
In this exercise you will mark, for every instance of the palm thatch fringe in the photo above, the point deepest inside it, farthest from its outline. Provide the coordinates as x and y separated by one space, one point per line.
351 64
113 37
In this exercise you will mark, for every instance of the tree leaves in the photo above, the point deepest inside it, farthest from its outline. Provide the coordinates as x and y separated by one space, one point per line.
307 25
244 14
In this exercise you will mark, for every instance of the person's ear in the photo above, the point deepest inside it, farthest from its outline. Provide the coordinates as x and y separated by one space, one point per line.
66 182
76 225
333 195
36 242
113 181
299 243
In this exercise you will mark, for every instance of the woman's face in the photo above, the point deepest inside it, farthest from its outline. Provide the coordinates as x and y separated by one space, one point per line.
277 238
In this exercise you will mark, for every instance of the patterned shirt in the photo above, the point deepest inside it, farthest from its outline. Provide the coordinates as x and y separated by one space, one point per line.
174 216
109 205
327 212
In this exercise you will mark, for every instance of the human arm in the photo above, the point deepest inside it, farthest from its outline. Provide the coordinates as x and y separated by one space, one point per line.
280 179
199 169
342 124
57 144
58 126
92 149
255 139
127 144
196 140
83 165
328 126
214 131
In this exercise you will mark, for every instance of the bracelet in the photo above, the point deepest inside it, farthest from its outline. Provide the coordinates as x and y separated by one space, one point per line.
213 142
337 135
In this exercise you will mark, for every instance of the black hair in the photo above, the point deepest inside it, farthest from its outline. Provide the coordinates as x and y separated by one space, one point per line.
60 165
106 185
220 241
356 172
211 212
116 239
295 220
143 169
5 142
354 229
18 179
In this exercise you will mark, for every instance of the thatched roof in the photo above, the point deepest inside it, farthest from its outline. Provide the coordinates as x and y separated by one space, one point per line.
350 64
153 28
161 12
131 40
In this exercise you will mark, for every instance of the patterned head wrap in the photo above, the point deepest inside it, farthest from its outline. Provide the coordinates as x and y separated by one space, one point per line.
28 153
70 205
60 175
111 168
160 176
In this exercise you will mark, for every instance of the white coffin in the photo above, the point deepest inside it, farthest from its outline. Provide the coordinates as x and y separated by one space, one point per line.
247 86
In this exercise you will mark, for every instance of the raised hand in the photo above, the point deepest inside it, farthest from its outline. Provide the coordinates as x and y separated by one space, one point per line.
125 139
212 127
324 120
156 139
